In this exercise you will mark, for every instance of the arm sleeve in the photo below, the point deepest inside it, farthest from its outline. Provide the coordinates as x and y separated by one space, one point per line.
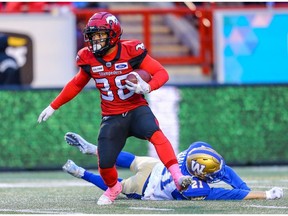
159 74
71 89
233 179
227 194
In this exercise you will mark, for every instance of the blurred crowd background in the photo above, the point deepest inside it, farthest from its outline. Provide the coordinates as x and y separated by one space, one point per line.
200 42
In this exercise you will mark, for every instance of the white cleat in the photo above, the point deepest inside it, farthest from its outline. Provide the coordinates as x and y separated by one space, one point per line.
110 195
76 140
104 200
74 170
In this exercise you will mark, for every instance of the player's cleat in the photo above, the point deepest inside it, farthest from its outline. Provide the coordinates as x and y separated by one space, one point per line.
76 140
274 193
184 182
104 200
110 195
74 170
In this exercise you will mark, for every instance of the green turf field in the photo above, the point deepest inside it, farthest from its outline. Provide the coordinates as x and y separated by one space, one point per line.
60 193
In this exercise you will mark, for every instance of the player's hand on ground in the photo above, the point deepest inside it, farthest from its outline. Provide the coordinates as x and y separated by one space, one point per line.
45 114
274 193
141 87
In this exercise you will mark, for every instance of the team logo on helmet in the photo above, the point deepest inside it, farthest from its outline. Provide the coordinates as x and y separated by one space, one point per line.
206 164
140 46
197 167
112 19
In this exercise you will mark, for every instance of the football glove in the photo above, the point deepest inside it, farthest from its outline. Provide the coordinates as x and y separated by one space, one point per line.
45 114
274 193
141 87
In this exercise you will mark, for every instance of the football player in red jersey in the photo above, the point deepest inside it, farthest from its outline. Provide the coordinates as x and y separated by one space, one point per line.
125 112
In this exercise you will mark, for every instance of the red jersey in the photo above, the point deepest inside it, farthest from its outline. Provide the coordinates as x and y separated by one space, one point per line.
109 73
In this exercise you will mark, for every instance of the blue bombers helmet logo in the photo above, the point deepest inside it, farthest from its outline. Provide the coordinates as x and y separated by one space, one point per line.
206 164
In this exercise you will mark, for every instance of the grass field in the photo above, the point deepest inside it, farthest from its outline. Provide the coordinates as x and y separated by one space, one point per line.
60 193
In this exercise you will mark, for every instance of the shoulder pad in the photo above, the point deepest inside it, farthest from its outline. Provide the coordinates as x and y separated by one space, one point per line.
134 46
82 55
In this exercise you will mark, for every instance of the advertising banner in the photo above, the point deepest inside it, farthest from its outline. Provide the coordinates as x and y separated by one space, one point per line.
44 46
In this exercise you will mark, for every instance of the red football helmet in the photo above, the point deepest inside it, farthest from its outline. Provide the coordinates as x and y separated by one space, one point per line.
102 21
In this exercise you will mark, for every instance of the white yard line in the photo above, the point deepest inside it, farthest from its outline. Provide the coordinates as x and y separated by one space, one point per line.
152 209
44 184
40 211
269 207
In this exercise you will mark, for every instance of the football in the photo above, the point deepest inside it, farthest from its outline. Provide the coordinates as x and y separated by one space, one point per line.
142 73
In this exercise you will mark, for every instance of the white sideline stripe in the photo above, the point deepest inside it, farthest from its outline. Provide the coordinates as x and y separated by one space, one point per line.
270 207
256 181
39 211
267 187
152 209
44 184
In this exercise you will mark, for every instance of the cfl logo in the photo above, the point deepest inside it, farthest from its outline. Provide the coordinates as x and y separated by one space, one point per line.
197 168
140 46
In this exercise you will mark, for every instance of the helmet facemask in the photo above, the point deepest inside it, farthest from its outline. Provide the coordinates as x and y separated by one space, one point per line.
94 45
102 22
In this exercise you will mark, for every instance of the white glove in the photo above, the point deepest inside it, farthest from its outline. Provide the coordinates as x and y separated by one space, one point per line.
274 193
45 114
141 87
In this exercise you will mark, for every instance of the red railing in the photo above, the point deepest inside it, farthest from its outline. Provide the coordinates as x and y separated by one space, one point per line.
205 56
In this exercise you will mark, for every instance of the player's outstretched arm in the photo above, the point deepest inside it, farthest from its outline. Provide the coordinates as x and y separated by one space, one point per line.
240 194
70 90
272 194
233 179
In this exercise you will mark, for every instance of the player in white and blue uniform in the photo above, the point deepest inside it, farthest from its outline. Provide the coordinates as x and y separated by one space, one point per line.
163 188
152 181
